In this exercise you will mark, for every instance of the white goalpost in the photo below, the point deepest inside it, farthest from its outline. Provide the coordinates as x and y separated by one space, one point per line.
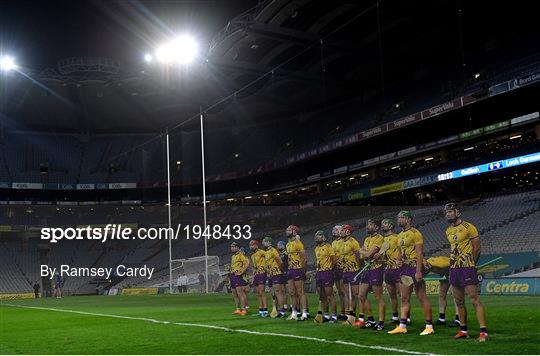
206 258
203 273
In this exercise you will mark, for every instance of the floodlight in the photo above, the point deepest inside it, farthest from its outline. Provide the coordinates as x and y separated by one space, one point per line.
7 63
182 50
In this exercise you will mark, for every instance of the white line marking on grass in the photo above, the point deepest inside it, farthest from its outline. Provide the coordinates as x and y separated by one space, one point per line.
222 328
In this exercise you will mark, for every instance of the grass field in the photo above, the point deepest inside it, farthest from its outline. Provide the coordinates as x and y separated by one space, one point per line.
201 324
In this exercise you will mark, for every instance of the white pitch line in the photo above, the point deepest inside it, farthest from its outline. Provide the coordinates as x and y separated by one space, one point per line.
222 328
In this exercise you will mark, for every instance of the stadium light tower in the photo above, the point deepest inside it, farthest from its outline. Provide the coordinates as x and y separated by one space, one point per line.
7 63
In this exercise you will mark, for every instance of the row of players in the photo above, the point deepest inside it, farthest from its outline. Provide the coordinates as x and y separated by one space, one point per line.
395 258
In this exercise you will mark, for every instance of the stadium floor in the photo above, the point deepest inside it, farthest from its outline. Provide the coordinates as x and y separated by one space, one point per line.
201 324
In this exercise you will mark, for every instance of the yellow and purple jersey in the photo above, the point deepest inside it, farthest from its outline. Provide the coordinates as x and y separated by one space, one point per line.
349 248
239 263
370 242
324 254
391 255
407 240
258 258
272 266
460 236
439 262
295 249
336 246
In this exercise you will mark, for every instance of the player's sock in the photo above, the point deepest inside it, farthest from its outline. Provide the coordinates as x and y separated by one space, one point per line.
403 323
370 318
483 330
456 321
442 317
361 317
429 323
395 316
463 328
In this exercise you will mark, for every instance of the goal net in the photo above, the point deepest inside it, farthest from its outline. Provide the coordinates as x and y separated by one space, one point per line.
191 273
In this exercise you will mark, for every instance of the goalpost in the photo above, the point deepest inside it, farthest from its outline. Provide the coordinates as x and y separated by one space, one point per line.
203 273
204 202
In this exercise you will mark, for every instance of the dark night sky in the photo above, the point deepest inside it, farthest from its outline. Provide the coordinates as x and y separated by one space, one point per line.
39 33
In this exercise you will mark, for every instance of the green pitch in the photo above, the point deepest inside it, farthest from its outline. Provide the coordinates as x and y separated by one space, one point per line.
512 321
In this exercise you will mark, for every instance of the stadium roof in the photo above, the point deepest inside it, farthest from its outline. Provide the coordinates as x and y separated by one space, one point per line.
283 37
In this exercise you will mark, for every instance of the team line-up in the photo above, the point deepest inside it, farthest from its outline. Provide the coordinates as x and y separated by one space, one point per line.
397 258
